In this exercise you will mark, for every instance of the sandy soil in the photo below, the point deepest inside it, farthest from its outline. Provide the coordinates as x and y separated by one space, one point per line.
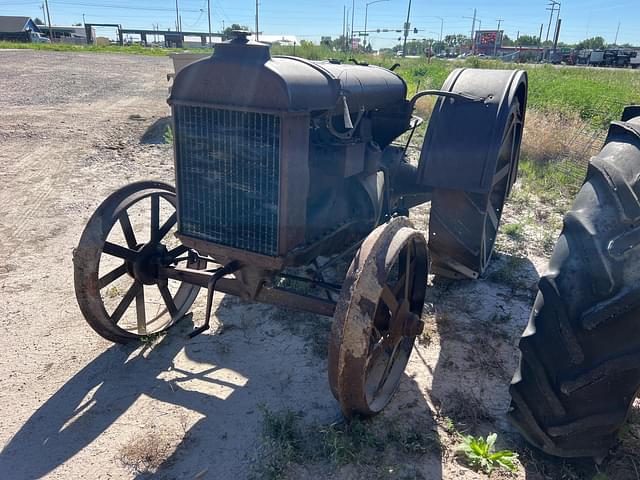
74 405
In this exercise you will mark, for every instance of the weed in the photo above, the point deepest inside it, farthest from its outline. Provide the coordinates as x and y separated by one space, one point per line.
481 455
114 291
146 453
167 136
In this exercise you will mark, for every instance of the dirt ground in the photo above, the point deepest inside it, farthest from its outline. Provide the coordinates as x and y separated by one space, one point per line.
77 406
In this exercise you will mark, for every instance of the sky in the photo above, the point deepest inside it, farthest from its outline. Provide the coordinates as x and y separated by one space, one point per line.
311 19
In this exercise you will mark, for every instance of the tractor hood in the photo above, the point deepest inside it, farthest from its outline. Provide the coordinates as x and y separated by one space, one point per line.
242 74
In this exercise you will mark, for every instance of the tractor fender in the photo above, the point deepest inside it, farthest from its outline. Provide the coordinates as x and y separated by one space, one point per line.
462 142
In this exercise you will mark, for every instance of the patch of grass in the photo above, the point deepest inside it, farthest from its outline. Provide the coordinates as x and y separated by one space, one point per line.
352 442
63 47
480 454
282 444
508 272
515 231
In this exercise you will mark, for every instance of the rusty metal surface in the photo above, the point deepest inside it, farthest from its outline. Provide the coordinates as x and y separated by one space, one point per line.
266 294
360 305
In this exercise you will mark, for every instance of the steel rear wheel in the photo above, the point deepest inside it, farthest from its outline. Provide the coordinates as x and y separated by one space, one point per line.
116 264
377 318
463 226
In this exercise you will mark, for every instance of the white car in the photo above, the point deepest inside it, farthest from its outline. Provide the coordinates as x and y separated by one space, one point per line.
38 38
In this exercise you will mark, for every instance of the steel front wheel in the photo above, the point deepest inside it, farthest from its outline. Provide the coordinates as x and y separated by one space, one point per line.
377 318
116 264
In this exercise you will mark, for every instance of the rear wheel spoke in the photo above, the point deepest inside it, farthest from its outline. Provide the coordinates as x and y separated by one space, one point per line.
112 276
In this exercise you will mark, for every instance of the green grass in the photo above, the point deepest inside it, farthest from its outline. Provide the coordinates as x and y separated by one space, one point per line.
62 47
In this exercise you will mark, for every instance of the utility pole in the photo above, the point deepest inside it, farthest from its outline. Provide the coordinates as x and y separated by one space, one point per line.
353 11
407 25
344 25
495 43
552 4
557 35
257 25
615 42
46 4
209 17
540 36
177 17
473 29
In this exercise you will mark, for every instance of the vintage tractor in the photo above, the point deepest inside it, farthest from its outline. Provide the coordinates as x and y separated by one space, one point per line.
286 167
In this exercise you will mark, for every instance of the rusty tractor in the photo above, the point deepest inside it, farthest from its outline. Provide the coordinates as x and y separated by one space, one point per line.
286 168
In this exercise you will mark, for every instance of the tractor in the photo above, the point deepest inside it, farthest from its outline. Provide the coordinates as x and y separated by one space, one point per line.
285 168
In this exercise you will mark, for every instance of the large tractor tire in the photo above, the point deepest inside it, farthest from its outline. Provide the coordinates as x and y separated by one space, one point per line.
579 371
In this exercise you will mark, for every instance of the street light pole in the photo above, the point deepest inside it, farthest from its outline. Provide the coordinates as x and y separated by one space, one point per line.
366 11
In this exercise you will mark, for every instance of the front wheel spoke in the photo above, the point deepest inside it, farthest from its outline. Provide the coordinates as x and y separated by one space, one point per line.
167 226
126 301
127 229
141 314
119 251
112 276
168 299
155 218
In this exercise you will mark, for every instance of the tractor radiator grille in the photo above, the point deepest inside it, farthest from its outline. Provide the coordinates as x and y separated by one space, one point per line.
227 166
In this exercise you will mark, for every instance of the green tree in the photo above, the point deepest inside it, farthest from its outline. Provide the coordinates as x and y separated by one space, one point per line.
528 40
506 41
37 21
228 32
593 43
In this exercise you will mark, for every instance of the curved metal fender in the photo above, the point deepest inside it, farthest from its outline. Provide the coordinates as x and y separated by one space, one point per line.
460 148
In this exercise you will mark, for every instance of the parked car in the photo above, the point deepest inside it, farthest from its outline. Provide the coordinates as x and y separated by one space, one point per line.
38 38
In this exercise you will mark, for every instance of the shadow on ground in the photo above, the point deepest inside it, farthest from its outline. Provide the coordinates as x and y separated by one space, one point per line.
221 377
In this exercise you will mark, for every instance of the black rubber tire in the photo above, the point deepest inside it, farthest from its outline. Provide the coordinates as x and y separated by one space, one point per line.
579 370
462 230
